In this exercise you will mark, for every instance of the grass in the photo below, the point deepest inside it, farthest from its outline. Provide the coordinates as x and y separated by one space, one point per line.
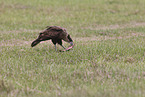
107 60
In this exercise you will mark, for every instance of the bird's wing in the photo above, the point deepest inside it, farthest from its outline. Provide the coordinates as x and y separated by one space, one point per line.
55 28
53 31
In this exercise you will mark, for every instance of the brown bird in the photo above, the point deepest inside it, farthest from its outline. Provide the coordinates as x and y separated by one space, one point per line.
56 34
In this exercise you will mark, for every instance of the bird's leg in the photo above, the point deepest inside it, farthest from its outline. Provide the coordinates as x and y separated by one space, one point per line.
59 41
55 47
63 46
54 42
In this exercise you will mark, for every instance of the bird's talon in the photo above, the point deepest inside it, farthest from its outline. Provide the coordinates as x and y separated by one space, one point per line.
56 34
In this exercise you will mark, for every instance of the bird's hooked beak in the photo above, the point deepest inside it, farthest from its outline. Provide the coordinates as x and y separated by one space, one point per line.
71 43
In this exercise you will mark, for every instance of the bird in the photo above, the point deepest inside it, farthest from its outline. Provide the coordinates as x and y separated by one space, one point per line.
54 33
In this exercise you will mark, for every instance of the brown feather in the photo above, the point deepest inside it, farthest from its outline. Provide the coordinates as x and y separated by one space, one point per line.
55 33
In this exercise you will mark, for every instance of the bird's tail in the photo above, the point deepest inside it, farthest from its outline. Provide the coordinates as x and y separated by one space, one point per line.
35 42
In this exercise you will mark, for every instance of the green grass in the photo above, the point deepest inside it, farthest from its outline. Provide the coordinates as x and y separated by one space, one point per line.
107 60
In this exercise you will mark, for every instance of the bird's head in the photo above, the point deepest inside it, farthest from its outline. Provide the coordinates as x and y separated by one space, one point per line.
70 40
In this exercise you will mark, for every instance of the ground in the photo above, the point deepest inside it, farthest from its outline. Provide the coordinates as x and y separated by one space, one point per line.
106 61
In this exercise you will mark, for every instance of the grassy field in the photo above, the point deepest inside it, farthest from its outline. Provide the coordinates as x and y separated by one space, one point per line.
108 59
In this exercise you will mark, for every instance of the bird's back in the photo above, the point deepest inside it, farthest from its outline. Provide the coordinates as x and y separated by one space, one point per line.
55 32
